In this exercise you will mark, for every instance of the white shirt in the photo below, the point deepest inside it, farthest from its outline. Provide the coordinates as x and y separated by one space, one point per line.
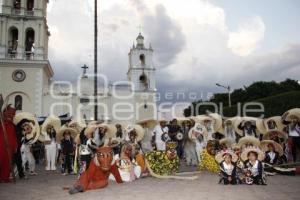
254 168
293 133
158 132
272 156
228 168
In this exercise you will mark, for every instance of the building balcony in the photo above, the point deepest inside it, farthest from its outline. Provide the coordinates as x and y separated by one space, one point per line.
22 55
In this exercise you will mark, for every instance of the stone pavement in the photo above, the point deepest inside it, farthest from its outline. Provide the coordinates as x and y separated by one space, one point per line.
50 186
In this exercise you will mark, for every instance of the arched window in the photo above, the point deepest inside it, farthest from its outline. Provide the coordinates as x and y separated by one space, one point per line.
18 102
142 59
13 36
29 43
17 4
30 5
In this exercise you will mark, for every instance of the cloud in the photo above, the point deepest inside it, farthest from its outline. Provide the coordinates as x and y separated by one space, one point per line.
193 46
166 35
246 39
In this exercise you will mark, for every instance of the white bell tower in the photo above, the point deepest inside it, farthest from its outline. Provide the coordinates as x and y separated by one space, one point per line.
141 74
141 71
25 71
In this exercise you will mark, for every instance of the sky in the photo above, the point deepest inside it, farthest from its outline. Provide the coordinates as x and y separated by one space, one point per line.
197 43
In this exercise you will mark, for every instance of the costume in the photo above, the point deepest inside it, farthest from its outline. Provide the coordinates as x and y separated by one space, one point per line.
253 170
29 127
228 174
292 119
6 152
208 162
67 149
127 166
164 162
49 130
158 133
198 134
207 157
96 176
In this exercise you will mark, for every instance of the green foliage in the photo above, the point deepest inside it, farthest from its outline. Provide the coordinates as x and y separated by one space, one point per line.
276 97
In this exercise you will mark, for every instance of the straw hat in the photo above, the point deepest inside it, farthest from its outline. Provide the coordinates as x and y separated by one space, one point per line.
35 133
249 140
50 121
227 142
138 129
60 135
280 134
218 121
111 130
213 117
181 120
78 125
220 156
150 123
279 125
264 146
288 115
231 120
260 153
200 129
241 121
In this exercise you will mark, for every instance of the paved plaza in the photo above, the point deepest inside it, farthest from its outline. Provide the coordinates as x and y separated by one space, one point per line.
50 186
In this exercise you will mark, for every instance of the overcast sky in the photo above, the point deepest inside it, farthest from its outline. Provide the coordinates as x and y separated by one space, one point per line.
197 43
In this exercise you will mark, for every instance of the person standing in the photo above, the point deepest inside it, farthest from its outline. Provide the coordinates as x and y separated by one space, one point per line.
158 134
49 130
8 143
292 119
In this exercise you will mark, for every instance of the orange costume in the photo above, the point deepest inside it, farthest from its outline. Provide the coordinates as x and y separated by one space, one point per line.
96 176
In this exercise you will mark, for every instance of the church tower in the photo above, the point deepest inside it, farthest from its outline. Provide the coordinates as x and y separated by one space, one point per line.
25 71
141 74
141 71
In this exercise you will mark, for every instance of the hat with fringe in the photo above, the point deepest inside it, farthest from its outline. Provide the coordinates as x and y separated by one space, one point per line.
140 132
231 120
213 117
60 135
199 129
242 121
181 120
292 113
50 121
24 117
265 143
77 124
249 140
227 142
150 123
111 130
280 134
246 151
220 156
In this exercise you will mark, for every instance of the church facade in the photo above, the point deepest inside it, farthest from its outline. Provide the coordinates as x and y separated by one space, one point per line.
26 75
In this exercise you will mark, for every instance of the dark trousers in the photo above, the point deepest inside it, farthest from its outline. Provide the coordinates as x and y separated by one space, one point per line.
179 149
67 163
18 162
295 147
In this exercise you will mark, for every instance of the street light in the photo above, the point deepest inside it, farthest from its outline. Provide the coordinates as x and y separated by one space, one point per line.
228 89
96 61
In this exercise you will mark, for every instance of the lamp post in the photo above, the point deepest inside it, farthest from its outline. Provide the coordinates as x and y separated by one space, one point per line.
95 61
228 90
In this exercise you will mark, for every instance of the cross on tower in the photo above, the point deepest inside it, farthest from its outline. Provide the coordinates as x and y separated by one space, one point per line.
140 27
84 67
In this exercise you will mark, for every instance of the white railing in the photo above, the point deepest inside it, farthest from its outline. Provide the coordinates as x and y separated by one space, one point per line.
27 55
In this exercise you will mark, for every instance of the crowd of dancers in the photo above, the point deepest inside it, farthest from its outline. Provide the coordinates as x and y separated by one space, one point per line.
242 150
